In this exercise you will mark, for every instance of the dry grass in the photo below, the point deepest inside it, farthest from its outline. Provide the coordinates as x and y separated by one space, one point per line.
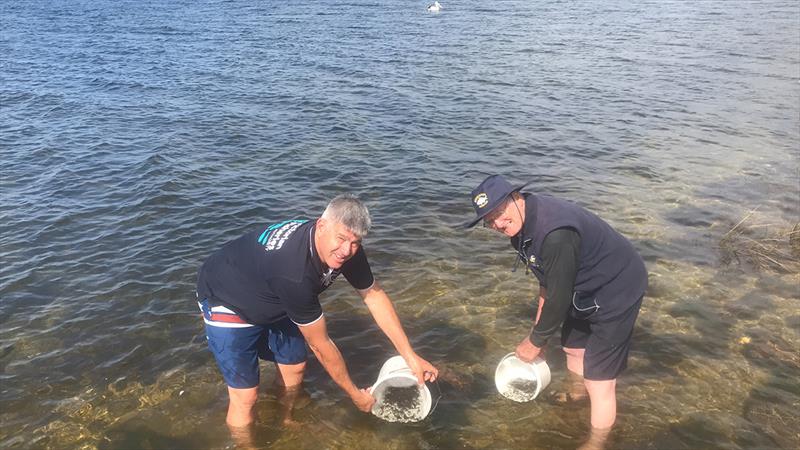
763 246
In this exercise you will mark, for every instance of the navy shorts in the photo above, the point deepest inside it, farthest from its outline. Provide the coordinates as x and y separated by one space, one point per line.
237 347
606 342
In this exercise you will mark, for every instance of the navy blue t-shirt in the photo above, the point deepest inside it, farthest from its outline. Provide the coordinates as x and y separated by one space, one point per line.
274 272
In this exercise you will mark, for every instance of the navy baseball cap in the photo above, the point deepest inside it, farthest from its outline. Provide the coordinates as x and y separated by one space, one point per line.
489 195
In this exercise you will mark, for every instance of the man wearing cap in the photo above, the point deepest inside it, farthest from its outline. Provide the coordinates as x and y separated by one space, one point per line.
591 280
259 299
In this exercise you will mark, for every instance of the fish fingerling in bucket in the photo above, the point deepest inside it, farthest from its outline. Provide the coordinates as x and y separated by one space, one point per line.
400 404
521 390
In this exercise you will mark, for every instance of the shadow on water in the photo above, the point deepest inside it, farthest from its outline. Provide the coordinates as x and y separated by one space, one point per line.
139 435
696 431
462 381
657 351
144 434
663 353
457 352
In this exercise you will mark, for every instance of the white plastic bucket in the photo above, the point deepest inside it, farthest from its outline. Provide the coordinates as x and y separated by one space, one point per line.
521 381
395 373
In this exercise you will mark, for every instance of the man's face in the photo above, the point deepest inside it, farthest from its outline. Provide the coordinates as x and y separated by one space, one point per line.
506 218
335 243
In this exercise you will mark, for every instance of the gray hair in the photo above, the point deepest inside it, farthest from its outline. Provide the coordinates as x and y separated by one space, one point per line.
348 210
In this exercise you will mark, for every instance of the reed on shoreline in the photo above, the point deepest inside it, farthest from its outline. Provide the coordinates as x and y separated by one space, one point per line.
763 246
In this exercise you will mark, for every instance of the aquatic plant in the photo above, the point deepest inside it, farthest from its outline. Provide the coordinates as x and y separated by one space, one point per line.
763 246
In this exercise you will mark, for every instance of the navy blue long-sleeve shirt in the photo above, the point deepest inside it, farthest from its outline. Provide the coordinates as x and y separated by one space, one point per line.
559 262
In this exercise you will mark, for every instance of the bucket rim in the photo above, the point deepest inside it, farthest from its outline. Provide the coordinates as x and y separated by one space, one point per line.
538 369
536 363
395 375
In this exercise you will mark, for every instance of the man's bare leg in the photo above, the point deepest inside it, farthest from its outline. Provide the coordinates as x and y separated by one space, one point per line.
575 359
576 389
289 380
603 397
241 415
597 439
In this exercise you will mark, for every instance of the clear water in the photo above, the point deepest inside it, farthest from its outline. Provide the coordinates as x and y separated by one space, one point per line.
138 136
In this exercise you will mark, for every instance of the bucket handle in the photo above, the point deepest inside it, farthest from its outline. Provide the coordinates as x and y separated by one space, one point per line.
438 397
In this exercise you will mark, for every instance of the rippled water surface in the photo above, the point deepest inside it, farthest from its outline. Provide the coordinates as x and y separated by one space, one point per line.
137 137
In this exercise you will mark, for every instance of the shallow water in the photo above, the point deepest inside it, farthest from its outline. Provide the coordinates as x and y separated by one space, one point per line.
137 137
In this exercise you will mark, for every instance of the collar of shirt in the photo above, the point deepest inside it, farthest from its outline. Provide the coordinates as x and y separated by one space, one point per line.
315 259
531 207
528 227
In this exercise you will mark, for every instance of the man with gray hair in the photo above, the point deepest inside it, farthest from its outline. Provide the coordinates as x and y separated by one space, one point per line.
258 295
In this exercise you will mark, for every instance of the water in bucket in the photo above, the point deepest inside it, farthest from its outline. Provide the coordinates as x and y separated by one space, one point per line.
521 381
398 397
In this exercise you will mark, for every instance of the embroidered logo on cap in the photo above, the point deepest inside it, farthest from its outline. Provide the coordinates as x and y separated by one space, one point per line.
481 200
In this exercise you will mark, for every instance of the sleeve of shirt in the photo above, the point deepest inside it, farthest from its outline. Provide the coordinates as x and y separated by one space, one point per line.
357 271
560 252
301 303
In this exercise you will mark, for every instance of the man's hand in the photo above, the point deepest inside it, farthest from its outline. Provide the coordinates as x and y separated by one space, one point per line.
423 369
526 351
363 400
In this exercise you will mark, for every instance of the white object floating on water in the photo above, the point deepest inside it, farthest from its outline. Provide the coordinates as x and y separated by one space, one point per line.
435 7
521 381
398 396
